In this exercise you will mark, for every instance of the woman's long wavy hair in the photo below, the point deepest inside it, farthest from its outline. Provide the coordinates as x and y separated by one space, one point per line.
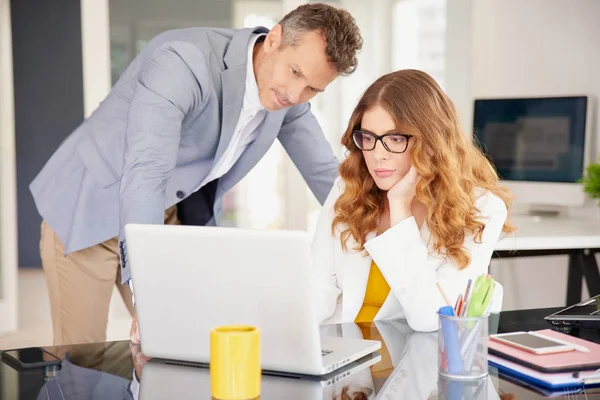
450 166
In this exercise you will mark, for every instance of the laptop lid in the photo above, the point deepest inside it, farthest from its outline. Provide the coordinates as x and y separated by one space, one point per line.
188 280
585 314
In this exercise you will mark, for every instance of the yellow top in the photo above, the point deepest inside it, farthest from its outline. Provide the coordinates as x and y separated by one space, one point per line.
377 291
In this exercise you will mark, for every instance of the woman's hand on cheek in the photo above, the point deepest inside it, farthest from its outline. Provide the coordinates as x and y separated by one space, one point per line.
403 192
401 195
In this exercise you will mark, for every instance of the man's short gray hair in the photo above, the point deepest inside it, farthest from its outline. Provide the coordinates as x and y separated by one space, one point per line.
337 26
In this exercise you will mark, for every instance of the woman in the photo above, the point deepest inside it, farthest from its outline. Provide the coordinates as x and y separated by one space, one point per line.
416 203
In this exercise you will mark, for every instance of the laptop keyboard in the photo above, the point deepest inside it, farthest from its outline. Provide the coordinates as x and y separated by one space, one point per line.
325 352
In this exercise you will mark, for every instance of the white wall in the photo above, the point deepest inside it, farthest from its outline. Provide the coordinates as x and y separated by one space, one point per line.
536 47
95 48
525 48
8 186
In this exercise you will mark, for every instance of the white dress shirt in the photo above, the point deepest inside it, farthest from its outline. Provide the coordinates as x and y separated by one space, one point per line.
251 116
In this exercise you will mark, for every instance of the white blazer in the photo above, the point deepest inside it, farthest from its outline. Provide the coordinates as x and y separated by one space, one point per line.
409 266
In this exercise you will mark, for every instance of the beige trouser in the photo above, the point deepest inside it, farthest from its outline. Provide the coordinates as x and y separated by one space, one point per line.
80 285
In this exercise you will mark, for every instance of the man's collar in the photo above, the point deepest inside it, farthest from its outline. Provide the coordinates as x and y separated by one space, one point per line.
236 53
251 97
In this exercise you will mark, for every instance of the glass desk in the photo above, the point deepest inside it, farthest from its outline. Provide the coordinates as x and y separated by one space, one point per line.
406 368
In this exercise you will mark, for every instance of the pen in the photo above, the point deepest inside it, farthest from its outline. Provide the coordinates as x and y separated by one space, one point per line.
464 309
459 305
466 298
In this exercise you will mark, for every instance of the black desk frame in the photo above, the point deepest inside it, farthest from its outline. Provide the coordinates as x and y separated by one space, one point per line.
582 265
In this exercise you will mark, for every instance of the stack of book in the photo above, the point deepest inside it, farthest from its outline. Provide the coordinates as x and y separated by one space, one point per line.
548 361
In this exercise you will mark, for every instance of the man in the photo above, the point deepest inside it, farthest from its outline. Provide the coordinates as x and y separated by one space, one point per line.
191 115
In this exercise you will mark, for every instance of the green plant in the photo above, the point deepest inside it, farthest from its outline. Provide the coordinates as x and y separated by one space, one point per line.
591 181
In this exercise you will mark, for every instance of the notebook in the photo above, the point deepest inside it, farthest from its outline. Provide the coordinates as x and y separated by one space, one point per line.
572 361
552 381
564 392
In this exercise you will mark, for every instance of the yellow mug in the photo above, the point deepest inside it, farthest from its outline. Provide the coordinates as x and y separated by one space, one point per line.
235 370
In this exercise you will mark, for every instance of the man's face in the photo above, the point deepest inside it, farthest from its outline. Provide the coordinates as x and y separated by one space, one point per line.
289 75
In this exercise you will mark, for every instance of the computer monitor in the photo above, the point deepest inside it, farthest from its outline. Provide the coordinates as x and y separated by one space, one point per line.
539 146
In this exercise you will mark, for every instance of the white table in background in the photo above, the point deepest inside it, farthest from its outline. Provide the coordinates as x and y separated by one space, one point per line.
544 236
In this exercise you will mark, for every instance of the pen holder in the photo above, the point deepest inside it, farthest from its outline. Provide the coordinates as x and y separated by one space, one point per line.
462 347
235 366
473 389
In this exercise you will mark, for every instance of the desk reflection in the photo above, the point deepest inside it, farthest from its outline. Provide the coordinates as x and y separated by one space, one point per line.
409 366
90 371
405 369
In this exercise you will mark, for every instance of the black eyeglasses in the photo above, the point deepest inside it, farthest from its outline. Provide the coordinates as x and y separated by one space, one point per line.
392 142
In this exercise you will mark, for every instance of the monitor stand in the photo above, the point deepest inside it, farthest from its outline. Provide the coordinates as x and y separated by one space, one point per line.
539 212
545 213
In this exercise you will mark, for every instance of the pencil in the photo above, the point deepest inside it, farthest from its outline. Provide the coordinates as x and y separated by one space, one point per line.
443 294
467 292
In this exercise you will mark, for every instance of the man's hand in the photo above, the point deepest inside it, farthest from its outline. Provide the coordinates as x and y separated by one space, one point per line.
134 333
138 358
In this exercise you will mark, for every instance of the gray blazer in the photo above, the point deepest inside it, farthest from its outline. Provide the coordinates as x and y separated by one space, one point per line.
155 137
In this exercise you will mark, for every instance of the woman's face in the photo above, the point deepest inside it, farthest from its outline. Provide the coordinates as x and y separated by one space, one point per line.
385 167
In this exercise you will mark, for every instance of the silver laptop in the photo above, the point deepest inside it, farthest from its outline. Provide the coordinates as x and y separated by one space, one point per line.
188 280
